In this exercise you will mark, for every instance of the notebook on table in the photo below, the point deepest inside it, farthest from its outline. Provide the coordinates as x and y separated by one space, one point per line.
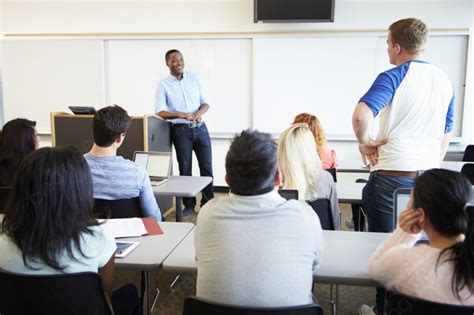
157 164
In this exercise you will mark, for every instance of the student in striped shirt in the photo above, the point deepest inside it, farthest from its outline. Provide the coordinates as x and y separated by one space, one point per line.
113 176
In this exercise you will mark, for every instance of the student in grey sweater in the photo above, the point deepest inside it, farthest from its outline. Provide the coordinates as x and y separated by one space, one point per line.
253 247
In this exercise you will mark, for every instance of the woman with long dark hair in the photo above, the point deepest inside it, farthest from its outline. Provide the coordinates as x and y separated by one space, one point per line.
18 138
441 271
48 226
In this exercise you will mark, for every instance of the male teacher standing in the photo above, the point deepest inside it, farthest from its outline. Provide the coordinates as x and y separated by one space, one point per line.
415 102
181 99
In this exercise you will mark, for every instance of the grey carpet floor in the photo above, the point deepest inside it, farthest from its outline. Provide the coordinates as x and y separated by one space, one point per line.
171 301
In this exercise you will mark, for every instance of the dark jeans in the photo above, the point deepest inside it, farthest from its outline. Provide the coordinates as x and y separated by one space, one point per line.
185 141
377 198
125 301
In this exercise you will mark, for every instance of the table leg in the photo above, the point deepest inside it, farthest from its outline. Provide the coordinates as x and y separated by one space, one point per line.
148 294
178 209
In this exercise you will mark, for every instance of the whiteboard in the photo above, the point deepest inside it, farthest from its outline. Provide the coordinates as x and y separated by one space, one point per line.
40 77
135 67
326 76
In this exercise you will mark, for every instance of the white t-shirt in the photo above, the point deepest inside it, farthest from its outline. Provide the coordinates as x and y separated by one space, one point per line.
415 102
98 248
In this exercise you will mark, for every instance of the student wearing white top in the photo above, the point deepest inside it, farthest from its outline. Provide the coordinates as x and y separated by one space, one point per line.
48 226
440 271
415 103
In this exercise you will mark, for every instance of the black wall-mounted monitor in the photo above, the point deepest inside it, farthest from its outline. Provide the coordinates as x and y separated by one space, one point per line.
283 11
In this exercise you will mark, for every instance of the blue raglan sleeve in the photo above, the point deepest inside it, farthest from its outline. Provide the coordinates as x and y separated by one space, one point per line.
450 116
383 89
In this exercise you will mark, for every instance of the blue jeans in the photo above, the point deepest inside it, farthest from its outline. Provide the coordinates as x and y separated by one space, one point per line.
377 198
186 140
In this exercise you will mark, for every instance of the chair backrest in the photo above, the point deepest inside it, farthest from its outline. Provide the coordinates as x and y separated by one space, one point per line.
468 170
404 305
5 193
116 209
469 153
79 293
196 306
324 211
289 194
333 172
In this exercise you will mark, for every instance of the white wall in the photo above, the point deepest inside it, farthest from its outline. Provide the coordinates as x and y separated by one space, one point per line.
191 16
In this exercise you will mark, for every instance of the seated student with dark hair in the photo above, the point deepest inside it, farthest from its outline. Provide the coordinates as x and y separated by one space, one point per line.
18 138
441 271
48 227
253 247
113 176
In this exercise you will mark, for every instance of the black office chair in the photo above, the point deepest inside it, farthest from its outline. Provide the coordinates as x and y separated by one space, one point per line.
5 193
333 172
115 209
404 305
468 171
197 306
323 208
469 154
78 294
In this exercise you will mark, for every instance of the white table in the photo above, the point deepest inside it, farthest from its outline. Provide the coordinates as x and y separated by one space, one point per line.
153 250
349 192
345 257
182 186
355 166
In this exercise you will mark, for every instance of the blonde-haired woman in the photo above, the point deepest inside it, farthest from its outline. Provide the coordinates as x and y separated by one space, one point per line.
302 170
327 156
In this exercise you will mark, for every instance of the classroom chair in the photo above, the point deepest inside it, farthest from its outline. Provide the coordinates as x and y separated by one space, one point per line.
400 304
469 153
468 170
115 209
197 306
77 293
324 211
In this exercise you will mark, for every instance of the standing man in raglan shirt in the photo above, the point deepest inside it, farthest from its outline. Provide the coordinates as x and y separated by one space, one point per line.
415 102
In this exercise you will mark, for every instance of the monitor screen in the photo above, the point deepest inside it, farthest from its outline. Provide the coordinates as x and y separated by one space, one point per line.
294 10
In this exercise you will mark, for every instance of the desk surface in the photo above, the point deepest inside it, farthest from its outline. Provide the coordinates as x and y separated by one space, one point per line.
355 166
345 258
153 250
349 192
182 186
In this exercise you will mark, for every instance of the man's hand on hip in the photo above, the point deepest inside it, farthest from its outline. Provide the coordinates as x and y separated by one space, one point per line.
370 151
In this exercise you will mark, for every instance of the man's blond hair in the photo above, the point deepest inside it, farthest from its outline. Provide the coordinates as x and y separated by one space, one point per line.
410 34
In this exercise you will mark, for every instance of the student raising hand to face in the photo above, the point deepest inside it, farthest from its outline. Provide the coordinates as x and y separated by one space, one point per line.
409 220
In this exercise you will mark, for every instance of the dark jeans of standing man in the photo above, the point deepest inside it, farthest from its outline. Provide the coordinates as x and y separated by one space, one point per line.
187 139
377 198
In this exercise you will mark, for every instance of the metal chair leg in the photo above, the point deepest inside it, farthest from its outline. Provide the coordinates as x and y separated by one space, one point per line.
155 299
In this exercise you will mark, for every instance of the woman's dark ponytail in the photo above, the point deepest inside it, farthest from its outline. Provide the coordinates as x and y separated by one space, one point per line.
463 257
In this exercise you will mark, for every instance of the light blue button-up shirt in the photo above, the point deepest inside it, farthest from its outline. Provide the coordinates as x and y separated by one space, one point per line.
183 96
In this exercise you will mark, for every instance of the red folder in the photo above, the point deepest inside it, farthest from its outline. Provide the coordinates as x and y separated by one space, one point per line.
152 226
